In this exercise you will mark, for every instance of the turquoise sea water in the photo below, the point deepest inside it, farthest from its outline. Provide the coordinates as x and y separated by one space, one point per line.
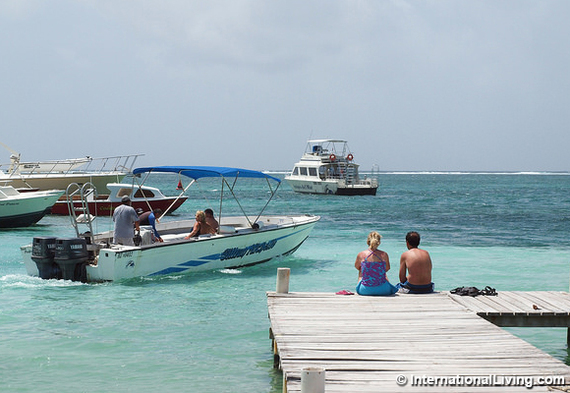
209 332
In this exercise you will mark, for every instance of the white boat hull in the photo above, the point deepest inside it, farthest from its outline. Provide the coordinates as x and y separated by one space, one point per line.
61 181
278 236
313 187
26 208
330 187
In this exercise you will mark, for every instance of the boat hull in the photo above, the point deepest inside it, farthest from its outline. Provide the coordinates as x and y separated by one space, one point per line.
27 209
246 246
61 181
329 187
22 220
106 208
356 191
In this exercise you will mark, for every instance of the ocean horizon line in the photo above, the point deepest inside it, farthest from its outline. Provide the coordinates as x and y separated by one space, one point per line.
451 172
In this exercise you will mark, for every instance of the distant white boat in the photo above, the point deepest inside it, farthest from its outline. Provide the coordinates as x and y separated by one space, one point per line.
328 167
241 240
58 174
22 209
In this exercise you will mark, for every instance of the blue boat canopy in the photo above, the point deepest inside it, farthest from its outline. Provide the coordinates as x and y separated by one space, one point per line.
197 172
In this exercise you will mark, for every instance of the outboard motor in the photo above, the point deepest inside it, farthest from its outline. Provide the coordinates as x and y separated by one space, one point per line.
43 253
71 255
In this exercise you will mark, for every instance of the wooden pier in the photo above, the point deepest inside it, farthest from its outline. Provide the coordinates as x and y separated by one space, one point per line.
414 343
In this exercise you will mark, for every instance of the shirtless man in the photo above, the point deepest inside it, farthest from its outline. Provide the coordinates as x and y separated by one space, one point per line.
417 264
210 219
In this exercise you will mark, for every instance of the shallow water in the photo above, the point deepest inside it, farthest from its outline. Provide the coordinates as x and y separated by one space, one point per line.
209 332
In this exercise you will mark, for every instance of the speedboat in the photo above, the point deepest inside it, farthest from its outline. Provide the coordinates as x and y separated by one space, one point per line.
327 167
144 197
22 209
58 174
242 240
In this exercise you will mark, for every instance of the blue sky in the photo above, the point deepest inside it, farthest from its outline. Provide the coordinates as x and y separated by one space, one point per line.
412 85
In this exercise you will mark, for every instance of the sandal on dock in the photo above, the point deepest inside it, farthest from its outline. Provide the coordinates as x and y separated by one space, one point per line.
465 291
488 291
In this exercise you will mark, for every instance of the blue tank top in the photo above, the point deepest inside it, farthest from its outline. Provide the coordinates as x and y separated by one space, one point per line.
373 273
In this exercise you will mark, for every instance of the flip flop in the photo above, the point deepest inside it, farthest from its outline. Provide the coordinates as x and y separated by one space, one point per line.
344 292
488 291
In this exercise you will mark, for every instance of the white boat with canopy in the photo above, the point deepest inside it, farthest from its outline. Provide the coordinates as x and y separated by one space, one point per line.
240 241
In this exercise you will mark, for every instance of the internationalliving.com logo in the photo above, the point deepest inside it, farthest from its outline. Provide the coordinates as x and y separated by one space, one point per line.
480 381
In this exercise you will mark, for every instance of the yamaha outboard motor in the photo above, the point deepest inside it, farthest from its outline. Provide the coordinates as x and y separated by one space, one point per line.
70 255
43 253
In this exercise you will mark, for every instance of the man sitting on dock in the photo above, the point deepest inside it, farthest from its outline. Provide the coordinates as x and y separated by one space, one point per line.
417 264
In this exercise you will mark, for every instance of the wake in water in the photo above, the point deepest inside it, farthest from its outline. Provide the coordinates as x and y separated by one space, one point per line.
25 281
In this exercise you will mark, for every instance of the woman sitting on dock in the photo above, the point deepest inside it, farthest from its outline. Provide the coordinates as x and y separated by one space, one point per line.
372 265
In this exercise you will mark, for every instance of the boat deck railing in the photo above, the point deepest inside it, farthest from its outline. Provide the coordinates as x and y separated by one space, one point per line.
112 164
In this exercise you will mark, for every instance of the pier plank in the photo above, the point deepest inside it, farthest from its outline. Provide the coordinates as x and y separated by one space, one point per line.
556 302
365 343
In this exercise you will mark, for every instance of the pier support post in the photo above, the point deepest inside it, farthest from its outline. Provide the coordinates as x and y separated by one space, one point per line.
283 274
313 380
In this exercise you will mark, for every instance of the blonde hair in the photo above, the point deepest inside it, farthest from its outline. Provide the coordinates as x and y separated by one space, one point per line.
373 240
200 216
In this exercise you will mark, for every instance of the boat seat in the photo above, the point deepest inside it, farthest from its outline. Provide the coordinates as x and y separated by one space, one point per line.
174 237
226 229
181 236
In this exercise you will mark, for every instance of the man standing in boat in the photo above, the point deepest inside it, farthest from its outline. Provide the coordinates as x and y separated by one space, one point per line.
124 217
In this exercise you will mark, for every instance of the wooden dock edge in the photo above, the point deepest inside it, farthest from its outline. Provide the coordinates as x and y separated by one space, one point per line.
517 317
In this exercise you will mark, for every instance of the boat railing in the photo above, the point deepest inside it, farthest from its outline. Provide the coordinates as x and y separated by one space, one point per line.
112 164
115 163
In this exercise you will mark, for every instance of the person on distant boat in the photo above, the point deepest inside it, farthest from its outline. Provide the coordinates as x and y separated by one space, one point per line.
126 220
415 267
201 227
211 220
372 265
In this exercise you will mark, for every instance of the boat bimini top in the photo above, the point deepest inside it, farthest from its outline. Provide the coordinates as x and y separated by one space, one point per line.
227 174
197 172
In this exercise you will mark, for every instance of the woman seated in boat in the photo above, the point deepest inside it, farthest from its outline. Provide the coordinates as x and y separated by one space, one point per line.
201 227
372 265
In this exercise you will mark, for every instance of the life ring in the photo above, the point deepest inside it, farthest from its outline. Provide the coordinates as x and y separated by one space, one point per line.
332 157
349 157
